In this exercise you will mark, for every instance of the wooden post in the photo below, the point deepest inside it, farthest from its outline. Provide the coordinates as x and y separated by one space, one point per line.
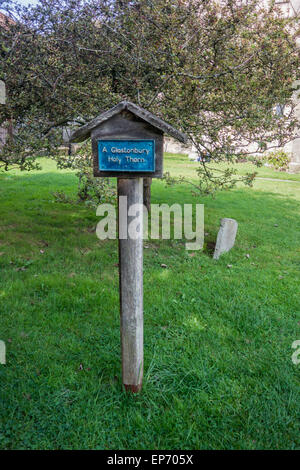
147 193
131 285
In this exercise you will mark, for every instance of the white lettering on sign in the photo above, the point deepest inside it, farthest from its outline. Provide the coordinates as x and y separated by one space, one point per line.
128 159
114 160
135 160
126 156
124 150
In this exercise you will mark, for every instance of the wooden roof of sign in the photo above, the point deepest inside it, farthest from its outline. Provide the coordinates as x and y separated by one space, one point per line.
84 132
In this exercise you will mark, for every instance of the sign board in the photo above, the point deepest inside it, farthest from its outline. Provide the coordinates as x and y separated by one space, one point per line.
126 155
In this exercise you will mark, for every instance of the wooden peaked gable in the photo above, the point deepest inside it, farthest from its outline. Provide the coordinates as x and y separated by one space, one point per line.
84 132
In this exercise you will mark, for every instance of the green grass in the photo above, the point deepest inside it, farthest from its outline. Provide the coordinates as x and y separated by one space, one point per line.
218 369
186 167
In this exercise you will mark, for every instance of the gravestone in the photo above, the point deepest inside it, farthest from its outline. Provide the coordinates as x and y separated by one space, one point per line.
2 353
226 236
127 143
2 92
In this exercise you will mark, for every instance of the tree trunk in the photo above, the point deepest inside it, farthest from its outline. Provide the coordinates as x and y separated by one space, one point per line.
147 192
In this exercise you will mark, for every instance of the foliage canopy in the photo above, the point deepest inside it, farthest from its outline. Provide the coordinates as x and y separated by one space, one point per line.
214 69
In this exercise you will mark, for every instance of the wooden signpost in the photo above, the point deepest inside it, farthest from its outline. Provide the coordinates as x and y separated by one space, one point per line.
127 143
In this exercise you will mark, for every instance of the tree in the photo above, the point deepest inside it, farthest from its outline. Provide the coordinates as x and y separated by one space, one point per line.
215 69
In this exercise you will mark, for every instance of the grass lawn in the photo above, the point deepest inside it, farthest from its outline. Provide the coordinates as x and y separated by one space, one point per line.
186 167
218 368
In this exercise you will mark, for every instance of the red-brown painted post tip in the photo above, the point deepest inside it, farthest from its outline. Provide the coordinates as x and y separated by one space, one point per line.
133 388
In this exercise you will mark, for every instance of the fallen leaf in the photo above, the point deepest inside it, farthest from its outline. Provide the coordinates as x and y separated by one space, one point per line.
1 253
71 274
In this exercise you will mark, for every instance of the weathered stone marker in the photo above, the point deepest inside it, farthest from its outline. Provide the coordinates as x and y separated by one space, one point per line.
2 92
226 236
2 353
127 142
